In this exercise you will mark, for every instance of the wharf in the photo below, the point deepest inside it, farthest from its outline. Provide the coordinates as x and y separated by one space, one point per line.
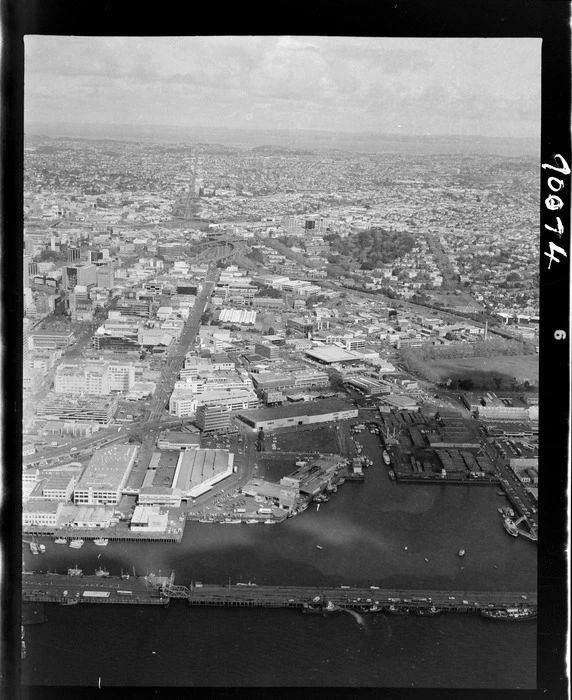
111 534
56 588
351 598
153 590
438 479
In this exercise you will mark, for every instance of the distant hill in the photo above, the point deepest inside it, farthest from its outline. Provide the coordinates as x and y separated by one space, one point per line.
265 139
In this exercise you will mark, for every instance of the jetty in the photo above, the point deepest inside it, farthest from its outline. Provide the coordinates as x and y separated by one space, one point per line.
160 590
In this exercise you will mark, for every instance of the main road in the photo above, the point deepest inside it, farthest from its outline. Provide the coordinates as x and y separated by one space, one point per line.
153 425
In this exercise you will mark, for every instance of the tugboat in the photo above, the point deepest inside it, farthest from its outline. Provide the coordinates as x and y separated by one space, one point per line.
510 527
428 611
510 614
386 457
317 608
393 610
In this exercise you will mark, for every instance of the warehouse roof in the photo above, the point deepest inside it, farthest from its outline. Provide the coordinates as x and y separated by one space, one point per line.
196 466
314 408
331 353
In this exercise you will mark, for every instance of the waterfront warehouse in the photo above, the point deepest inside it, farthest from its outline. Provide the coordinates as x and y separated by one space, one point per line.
199 470
289 416
105 475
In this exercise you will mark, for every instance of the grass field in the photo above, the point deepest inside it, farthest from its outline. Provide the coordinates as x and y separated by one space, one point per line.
483 369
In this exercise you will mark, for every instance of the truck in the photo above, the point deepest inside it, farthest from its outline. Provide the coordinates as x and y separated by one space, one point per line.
265 511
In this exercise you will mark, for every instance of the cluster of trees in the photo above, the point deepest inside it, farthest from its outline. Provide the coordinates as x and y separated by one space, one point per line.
255 255
372 247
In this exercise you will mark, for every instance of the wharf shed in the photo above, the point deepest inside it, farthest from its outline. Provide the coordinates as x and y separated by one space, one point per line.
199 470
292 415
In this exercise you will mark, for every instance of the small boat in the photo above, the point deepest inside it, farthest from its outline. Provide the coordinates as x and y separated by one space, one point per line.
511 614
34 548
270 522
428 611
102 572
318 546
317 507
123 577
101 542
461 552
426 559
510 527
42 548
76 544
393 610
69 601
204 520
392 475
319 608
231 521
74 571
60 540
251 521
386 457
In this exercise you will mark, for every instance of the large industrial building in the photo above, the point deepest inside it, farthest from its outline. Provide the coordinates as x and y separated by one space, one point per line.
199 470
333 355
296 414
105 475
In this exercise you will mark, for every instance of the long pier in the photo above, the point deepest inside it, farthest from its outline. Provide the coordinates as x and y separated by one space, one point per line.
153 590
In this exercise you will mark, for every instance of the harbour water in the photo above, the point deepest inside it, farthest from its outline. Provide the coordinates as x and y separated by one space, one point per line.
378 533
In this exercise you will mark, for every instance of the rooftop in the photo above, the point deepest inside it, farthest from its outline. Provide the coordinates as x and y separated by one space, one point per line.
314 408
108 467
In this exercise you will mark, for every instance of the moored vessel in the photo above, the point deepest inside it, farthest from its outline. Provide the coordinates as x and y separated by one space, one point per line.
511 614
510 527
102 572
101 541
76 543
394 610
69 601
34 548
60 540
392 475
386 457
428 611
74 571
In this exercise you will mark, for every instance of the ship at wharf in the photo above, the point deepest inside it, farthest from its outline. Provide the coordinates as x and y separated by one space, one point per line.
160 590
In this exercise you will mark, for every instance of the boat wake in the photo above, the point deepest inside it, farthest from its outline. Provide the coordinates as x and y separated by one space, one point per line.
357 616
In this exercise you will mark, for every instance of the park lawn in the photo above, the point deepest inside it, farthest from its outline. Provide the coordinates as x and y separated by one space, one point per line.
509 367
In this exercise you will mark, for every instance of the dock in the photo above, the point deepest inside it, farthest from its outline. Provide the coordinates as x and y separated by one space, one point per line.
157 590
70 590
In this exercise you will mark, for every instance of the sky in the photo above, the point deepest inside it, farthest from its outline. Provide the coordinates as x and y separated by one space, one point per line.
481 86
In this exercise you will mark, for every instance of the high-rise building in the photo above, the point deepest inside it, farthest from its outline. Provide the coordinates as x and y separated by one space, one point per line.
74 254
85 275
105 277
212 418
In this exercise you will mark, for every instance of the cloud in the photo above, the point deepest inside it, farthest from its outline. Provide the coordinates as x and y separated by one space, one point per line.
348 83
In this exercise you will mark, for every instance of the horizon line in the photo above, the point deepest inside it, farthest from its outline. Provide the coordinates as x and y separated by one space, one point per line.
292 130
